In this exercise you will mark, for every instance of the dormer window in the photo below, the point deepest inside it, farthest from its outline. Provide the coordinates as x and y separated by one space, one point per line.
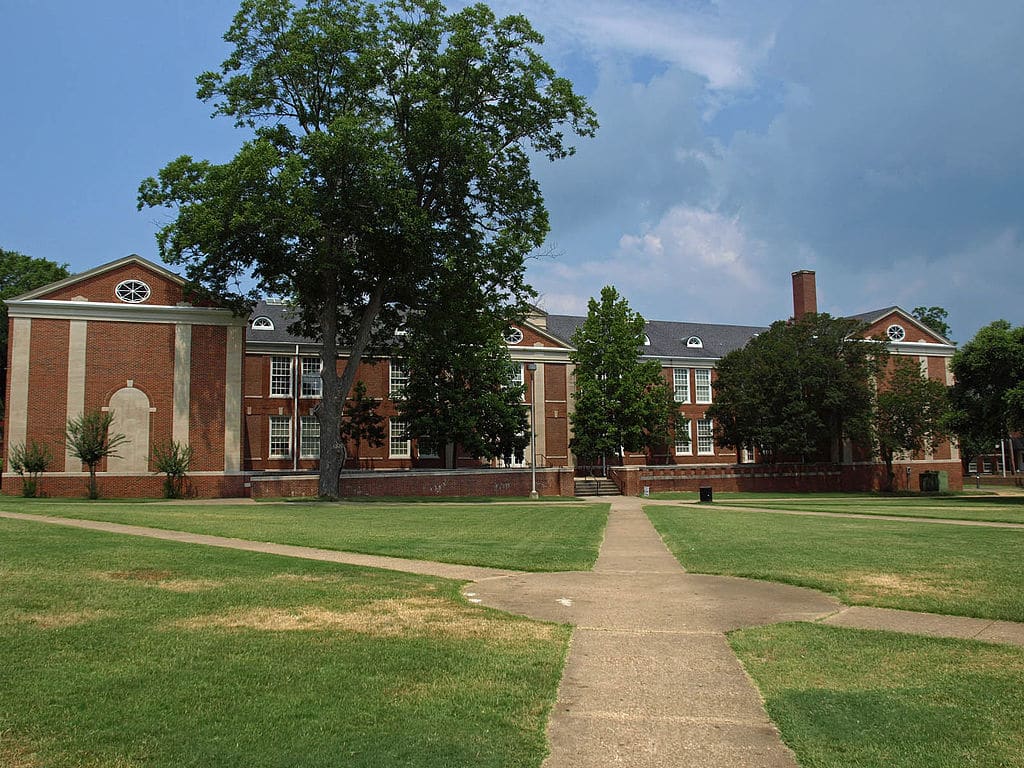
132 291
647 340
895 333
694 342
262 323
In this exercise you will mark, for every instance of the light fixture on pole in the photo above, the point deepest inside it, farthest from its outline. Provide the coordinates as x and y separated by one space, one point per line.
532 368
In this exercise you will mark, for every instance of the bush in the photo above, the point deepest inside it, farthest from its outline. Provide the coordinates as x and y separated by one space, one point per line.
32 459
174 460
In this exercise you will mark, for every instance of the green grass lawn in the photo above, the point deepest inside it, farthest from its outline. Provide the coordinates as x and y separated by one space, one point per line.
916 566
846 698
128 652
1001 509
528 536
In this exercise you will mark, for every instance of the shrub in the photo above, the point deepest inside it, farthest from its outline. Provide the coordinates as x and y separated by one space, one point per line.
174 460
33 459
89 439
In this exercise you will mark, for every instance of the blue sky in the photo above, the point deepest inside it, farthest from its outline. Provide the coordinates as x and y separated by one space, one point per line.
878 143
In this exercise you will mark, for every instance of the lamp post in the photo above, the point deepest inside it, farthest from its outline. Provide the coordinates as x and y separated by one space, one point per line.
532 368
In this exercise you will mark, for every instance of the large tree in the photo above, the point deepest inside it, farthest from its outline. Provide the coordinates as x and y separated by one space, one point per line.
988 395
20 274
795 391
621 401
387 138
463 387
934 318
910 413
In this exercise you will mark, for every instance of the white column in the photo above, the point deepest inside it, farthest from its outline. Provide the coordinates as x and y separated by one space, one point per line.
17 409
76 382
233 400
182 382
540 416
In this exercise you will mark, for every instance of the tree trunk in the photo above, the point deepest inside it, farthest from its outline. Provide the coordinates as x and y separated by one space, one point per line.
94 492
890 476
336 388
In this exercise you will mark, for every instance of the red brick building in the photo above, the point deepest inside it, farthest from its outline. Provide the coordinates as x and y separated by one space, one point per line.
240 391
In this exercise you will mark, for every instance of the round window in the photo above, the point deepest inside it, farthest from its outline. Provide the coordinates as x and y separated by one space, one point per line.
895 333
513 336
132 291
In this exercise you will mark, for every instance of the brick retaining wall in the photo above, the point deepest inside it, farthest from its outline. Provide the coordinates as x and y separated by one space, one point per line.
130 486
779 478
463 482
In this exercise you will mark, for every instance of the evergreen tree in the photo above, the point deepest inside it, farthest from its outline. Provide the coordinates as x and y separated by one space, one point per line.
621 402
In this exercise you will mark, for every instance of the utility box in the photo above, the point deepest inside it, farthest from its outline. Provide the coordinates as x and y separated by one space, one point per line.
706 494
943 481
929 482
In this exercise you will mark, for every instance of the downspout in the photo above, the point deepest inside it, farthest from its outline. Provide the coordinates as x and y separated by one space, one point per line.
296 388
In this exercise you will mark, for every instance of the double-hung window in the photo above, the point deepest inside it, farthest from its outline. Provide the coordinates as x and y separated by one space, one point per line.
516 377
398 439
705 437
399 378
681 384
280 377
280 437
684 442
309 438
702 384
312 384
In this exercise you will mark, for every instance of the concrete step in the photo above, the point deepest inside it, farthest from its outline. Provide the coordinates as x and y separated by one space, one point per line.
597 486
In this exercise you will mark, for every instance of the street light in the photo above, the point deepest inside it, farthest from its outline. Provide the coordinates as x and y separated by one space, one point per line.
532 368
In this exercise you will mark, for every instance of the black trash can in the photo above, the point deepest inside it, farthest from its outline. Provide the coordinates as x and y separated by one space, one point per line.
706 494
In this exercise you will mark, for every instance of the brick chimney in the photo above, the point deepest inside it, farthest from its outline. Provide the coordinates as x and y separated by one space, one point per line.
805 296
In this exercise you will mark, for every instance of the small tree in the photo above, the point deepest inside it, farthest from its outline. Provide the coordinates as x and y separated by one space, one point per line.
361 420
174 459
33 459
910 413
621 403
90 440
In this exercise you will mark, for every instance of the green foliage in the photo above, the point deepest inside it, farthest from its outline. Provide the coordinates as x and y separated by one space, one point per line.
795 391
911 413
459 390
621 402
988 396
20 274
362 422
33 459
388 139
174 459
89 439
934 318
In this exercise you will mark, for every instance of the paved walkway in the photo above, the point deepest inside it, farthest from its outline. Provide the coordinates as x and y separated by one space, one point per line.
650 680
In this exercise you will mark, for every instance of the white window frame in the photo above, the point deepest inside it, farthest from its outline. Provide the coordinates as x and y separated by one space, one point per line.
311 368
517 377
431 449
398 439
309 428
699 387
705 436
279 377
681 384
398 377
684 449
280 428
262 323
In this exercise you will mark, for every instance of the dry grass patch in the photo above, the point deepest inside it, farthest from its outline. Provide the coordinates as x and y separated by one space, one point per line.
62 619
14 754
413 616
160 579
862 586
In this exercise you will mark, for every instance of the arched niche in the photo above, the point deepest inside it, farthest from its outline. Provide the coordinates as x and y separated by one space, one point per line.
131 418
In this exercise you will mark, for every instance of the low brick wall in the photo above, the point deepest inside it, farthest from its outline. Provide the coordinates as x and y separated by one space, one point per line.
462 482
130 486
778 478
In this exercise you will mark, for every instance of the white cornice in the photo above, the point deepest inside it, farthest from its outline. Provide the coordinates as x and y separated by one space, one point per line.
921 348
683 362
122 313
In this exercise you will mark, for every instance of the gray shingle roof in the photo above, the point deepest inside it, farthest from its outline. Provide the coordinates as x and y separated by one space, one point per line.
281 316
668 339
